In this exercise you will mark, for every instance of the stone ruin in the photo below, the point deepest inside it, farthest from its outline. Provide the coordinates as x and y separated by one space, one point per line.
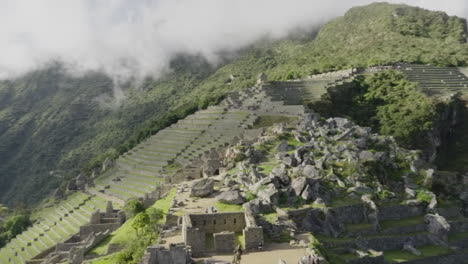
74 248
175 254
223 228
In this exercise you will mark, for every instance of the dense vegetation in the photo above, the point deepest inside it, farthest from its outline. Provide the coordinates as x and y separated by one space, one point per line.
387 102
50 121
137 233
12 224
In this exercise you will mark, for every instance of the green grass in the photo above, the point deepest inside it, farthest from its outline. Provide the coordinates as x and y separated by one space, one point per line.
268 120
110 259
333 239
126 233
358 227
316 205
398 256
222 207
268 166
209 241
344 201
240 239
402 222
164 204
272 218
458 236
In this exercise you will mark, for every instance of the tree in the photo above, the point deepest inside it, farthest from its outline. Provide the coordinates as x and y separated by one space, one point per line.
133 207
155 216
141 223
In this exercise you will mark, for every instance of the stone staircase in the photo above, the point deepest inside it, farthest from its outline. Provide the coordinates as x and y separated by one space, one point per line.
398 225
53 226
436 81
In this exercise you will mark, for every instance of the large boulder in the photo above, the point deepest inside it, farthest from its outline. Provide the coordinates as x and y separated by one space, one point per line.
438 226
269 194
310 171
306 188
343 122
298 185
58 194
321 221
283 147
231 197
257 206
202 188
289 161
281 173
371 212
107 164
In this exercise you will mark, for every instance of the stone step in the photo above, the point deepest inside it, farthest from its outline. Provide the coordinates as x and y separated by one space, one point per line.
63 223
117 202
120 195
380 242
180 131
49 232
163 147
127 189
139 171
137 160
56 228
10 255
18 245
144 188
144 169
20 255
39 234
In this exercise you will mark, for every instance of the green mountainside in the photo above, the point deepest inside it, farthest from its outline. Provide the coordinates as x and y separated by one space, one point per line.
50 121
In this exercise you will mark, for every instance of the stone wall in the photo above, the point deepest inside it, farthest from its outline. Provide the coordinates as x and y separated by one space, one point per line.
351 214
397 212
449 259
383 243
88 229
253 237
172 220
196 239
176 254
223 226
224 241
218 222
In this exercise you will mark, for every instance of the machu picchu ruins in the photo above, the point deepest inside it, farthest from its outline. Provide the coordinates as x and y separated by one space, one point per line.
357 195
227 132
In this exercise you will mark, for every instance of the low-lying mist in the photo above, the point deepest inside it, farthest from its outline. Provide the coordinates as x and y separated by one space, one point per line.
139 37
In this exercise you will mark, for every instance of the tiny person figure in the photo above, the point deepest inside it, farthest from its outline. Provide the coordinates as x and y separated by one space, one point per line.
237 255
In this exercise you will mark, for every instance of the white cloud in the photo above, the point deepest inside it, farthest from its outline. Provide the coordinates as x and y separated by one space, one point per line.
124 37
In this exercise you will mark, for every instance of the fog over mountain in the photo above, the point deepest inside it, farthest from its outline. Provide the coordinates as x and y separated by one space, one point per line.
137 38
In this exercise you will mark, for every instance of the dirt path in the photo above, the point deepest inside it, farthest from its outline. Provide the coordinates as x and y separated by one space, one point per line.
271 255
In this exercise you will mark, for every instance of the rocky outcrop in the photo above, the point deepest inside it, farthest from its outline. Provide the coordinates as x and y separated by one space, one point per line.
438 226
202 188
231 197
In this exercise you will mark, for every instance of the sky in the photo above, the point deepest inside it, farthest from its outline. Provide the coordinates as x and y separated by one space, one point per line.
139 37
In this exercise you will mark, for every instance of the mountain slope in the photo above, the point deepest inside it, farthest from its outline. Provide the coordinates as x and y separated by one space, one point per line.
50 121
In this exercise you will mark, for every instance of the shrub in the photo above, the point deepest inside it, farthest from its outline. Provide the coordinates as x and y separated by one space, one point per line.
133 207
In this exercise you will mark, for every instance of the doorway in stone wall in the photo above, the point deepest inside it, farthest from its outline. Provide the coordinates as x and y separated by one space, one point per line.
209 242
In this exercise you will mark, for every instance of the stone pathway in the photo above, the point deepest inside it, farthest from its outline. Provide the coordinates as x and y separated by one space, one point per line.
271 255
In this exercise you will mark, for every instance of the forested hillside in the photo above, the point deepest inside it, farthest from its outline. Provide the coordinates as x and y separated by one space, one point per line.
51 121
